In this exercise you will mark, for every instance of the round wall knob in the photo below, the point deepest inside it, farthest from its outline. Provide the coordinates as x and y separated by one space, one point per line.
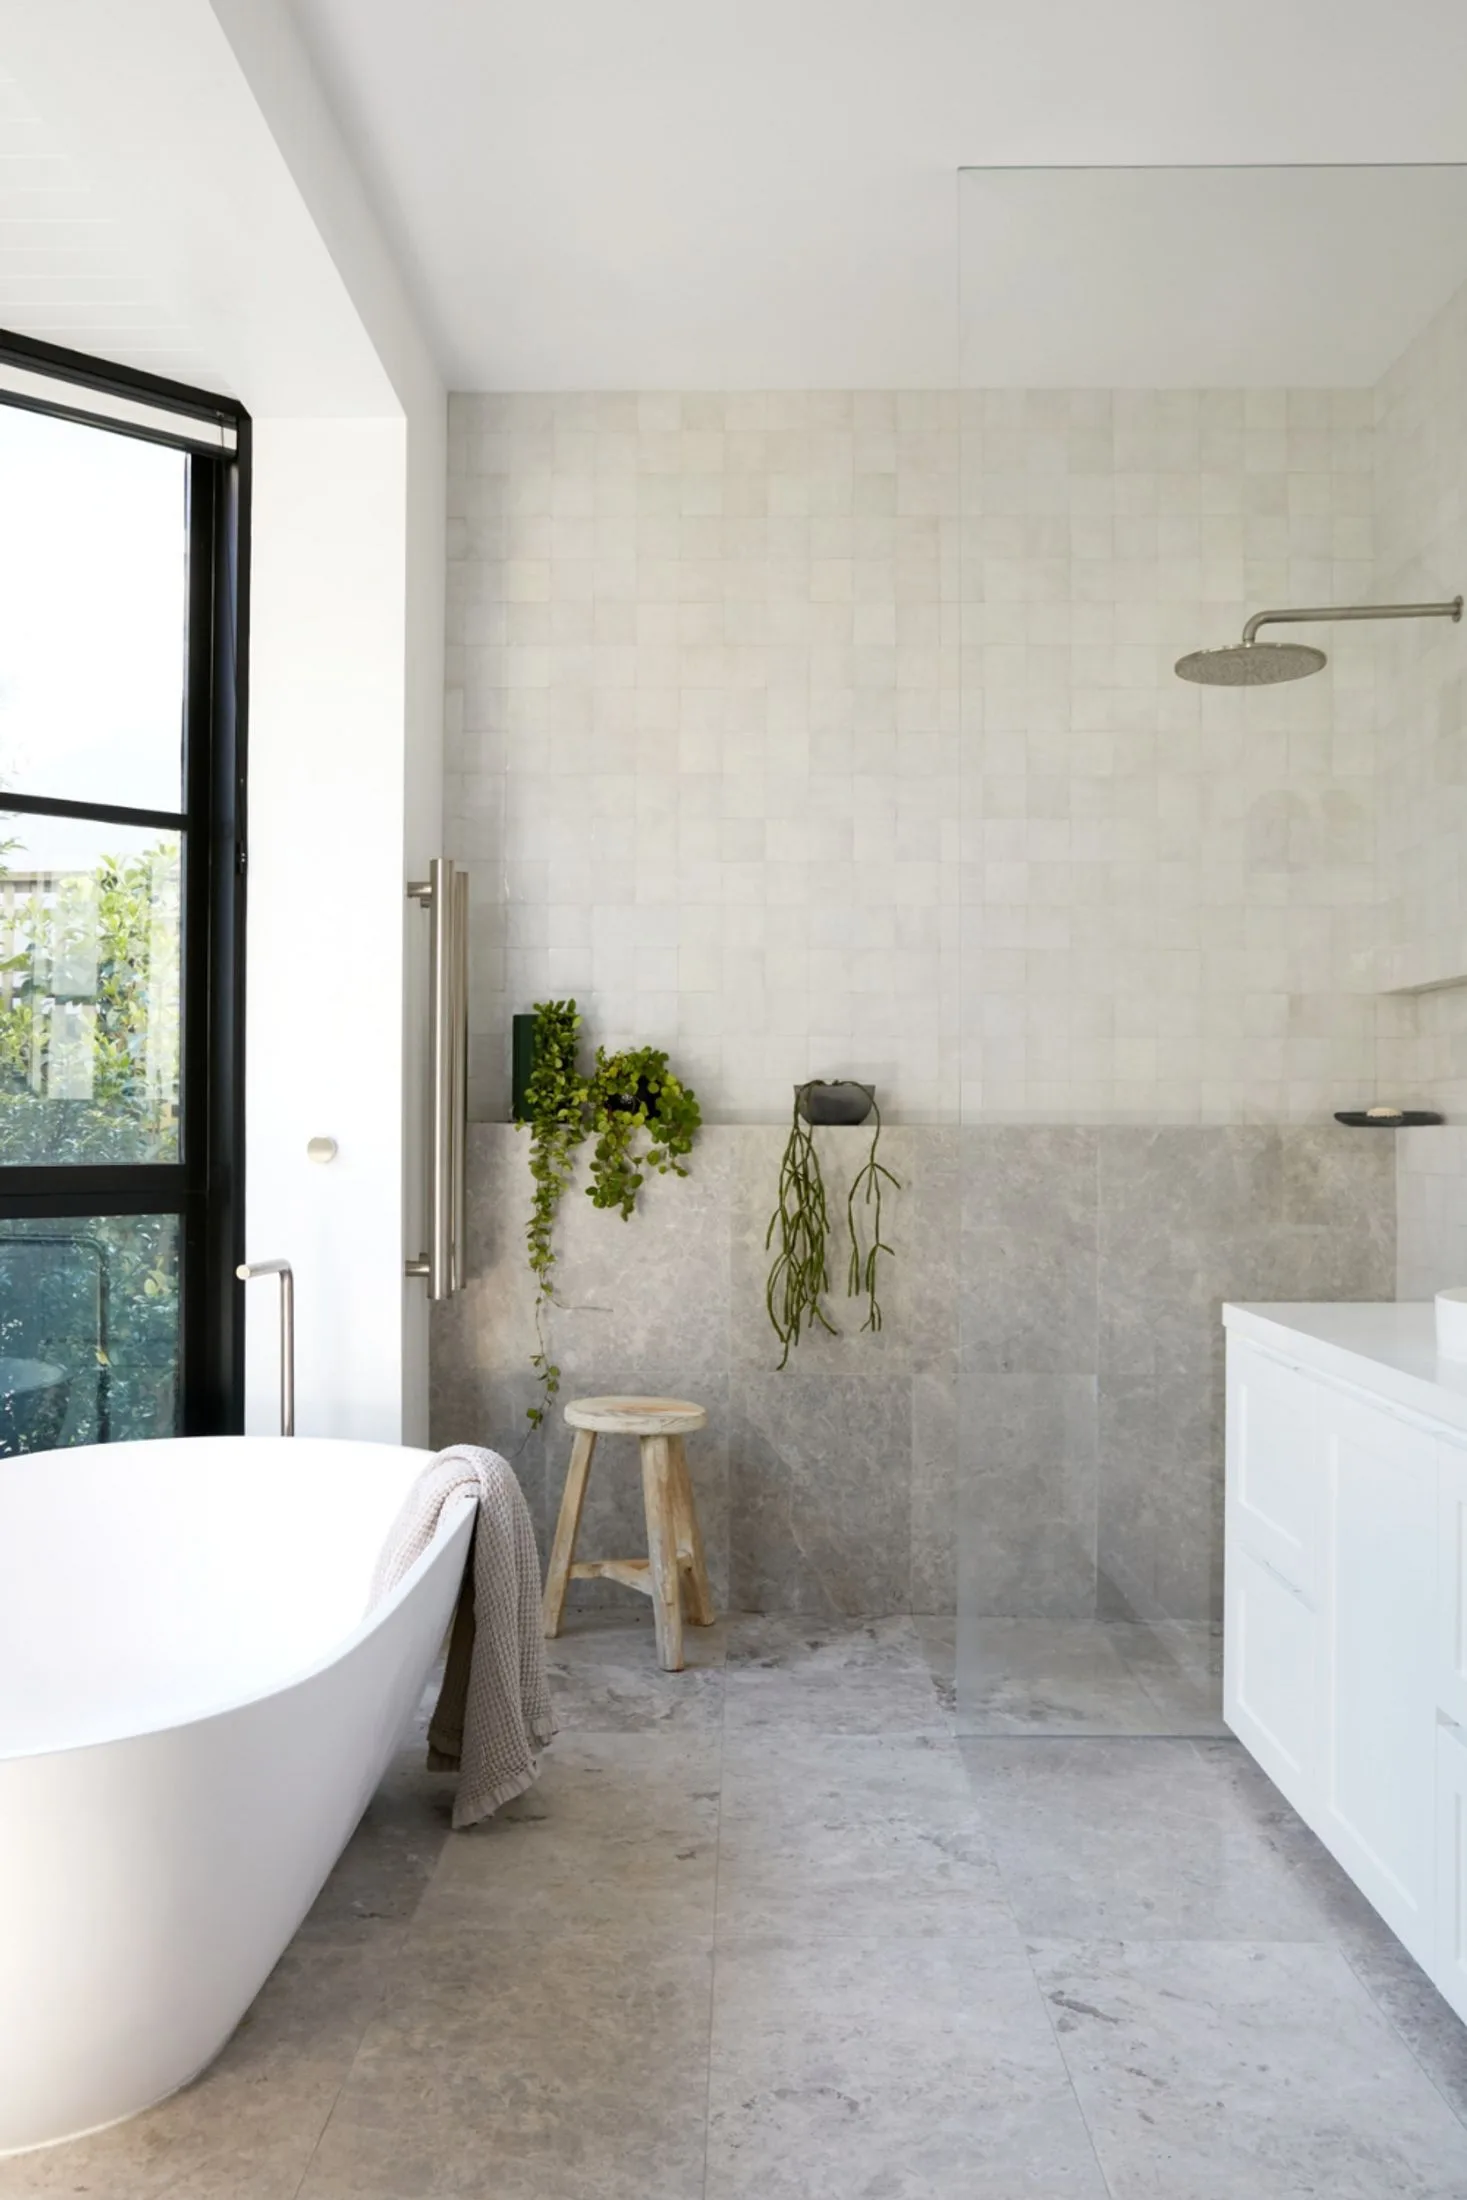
321 1149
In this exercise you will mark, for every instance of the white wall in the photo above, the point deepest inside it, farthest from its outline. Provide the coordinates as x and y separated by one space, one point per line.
326 935
195 141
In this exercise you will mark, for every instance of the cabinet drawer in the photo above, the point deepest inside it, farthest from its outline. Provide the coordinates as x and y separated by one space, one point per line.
1274 1473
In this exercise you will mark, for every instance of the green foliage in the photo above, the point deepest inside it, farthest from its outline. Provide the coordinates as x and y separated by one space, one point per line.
89 1037
555 1113
800 1274
629 1097
630 1094
94 957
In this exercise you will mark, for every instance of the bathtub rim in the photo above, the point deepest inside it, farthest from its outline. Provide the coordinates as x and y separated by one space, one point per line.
453 1521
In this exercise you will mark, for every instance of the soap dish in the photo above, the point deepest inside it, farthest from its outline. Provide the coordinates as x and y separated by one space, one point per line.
1386 1119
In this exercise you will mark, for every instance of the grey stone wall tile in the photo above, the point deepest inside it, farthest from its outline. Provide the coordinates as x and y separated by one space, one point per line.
1077 1274
820 1480
1027 1495
937 1438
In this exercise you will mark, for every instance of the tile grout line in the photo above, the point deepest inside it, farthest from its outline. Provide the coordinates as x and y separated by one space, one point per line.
1039 1993
1044 2004
404 1934
347 2074
713 1940
1394 2029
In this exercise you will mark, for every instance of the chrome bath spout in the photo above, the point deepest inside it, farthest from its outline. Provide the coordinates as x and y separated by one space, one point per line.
246 1271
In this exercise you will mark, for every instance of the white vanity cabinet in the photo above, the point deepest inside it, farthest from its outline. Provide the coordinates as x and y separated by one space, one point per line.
1345 1655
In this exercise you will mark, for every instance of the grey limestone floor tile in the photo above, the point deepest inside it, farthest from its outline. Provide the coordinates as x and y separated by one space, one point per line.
1138 1839
1036 1676
875 1833
1179 1665
1345 1914
1429 2025
245 2129
604 1676
1239 2071
793 1676
912 2067
618 1826
937 1639
564 2065
381 1873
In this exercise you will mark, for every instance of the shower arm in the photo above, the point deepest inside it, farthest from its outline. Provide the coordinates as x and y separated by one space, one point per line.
1452 610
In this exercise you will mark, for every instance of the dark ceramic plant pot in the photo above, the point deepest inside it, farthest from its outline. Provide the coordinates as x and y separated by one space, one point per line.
839 1101
522 1065
622 1103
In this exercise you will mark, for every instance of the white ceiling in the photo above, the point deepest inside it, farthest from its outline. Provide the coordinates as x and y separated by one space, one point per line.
1190 278
154 170
763 193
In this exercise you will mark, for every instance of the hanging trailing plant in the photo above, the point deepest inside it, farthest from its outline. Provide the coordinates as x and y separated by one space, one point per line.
800 1275
801 1221
629 1098
867 1182
555 1101
633 1094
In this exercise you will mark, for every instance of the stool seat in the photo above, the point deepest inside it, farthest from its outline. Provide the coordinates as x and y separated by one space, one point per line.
636 1416
674 1565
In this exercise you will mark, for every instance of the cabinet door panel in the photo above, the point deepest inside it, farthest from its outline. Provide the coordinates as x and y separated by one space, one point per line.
1273 1466
1379 1718
1270 1676
1451 1675
1450 1967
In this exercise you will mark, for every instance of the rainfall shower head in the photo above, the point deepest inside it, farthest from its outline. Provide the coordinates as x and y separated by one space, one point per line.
1251 663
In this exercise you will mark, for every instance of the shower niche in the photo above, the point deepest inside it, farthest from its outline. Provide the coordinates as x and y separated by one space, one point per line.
1207 561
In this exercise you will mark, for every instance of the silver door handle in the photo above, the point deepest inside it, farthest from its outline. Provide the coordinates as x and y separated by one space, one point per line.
445 895
247 1271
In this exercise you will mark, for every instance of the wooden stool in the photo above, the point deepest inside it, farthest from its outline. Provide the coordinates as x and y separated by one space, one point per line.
674 1545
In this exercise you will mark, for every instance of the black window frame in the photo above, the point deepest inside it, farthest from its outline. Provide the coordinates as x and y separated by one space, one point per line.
205 1187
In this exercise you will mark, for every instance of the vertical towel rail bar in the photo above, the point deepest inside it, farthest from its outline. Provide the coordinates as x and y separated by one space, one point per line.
445 895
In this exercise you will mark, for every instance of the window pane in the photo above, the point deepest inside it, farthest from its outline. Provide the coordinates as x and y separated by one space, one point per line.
89 1330
89 992
92 613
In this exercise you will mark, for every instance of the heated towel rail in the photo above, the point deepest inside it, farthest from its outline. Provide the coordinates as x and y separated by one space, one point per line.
445 895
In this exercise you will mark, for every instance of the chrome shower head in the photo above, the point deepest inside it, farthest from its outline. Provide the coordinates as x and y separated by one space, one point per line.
1252 663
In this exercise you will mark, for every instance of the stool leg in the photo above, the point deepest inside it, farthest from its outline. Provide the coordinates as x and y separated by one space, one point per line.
667 1603
701 1610
567 1527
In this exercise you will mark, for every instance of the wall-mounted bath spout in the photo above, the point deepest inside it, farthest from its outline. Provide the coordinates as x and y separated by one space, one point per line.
1251 663
246 1271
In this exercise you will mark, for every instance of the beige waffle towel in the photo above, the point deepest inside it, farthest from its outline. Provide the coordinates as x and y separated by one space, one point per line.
493 1711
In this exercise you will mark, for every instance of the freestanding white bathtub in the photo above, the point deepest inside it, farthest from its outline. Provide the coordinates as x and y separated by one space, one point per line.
195 1708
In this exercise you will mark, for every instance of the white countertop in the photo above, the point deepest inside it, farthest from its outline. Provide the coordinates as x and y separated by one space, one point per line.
1389 1349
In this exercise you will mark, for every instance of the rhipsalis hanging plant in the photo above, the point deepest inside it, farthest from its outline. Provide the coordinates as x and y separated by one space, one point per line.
801 1221
866 1184
643 1117
800 1225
